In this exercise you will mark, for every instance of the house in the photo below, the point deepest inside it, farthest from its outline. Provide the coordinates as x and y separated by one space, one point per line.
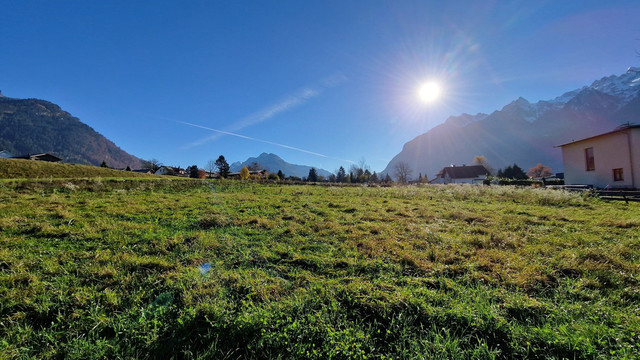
473 174
609 160
170 170
39 157
4 154
252 173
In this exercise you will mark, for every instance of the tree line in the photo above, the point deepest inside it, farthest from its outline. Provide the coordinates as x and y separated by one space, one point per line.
358 173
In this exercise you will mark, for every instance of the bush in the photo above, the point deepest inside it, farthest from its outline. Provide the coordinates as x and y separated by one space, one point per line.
554 182
524 182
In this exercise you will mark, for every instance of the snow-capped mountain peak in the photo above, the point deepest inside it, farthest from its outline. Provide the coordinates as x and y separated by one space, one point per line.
624 86
504 137
529 112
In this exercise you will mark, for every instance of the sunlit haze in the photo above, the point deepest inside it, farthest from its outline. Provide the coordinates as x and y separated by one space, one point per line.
319 83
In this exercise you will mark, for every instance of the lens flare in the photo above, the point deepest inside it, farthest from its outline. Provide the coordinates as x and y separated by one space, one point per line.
429 92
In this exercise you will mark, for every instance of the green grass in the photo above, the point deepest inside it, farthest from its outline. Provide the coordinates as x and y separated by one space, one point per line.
110 269
30 169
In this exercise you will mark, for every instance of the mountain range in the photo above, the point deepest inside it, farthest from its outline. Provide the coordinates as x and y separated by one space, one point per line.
29 126
272 163
525 133
521 132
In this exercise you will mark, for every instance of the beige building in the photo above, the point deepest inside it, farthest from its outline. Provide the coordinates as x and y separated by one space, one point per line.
609 160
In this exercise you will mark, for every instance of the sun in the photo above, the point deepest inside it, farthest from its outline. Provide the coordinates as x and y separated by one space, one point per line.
430 91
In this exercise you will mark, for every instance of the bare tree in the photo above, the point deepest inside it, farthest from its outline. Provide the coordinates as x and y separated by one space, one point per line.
153 165
481 160
255 166
210 167
539 171
355 171
403 171
363 164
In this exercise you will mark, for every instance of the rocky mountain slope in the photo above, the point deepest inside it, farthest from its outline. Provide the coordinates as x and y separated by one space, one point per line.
273 163
29 126
526 133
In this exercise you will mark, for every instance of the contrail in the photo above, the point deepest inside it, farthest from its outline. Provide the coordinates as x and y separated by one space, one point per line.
285 104
289 102
263 141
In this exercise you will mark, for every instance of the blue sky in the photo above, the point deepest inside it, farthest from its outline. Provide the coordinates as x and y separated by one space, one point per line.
332 81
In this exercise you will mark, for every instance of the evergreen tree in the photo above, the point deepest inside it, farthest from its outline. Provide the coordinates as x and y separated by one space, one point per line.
193 171
341 176
104 164
512 172
128 168
518 173
280 175
313 175
374 178
223 166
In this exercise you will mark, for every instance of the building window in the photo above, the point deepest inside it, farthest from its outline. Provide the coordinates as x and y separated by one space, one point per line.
618 175
591 163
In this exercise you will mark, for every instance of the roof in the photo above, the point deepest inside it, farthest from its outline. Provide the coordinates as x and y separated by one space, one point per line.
251 172
617 130
463 172
41 156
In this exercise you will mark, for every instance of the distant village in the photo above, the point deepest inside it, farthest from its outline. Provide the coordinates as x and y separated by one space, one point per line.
609 160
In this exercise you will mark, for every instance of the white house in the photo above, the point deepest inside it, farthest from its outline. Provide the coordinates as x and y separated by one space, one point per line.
609 160
170 170
473 174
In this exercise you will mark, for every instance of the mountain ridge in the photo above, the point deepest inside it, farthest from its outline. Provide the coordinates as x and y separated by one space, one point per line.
30 126
273 163
525 133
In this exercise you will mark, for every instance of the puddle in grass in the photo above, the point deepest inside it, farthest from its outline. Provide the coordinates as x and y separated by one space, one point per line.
204 268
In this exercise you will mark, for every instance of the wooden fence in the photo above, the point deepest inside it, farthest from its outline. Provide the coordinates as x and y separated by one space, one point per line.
625 196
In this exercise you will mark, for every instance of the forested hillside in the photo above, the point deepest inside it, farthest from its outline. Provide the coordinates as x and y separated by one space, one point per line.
29 126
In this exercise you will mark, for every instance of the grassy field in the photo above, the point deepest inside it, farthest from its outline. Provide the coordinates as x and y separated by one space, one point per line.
29 169
226 270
